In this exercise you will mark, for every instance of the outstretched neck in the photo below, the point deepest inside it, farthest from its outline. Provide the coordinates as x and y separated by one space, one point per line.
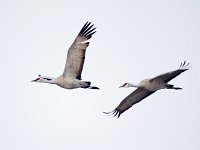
133 85
49 80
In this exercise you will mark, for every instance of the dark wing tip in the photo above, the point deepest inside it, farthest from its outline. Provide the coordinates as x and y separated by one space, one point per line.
184 66
114 113
94 87
87 30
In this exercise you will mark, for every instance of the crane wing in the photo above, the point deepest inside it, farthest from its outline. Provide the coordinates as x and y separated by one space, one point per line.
76 53
166 77
136 96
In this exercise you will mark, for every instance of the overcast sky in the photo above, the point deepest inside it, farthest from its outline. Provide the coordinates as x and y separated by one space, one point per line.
135 39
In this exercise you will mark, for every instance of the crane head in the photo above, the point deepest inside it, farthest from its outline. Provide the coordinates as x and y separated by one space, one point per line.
42 79
38 79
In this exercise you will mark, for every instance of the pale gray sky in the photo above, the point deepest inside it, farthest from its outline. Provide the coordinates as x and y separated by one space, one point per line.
135 39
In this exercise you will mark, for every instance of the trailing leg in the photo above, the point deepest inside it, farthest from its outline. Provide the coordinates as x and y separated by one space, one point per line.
88 85
171 86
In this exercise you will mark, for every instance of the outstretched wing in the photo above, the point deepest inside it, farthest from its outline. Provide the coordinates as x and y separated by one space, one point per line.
76 53
166 77
136 96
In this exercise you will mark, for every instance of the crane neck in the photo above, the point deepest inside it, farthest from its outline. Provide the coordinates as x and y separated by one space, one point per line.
49 80
133 85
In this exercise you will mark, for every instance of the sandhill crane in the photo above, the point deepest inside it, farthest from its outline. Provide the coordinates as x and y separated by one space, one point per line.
71 77
147 87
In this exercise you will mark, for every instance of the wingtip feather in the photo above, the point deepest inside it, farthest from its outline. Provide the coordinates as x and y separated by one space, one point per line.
184 66
87 30
115 113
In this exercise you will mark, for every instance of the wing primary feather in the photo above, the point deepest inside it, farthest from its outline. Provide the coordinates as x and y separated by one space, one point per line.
180 65
183 63
87 29
90 35
110 113
84 28
114 113
187 64
118 113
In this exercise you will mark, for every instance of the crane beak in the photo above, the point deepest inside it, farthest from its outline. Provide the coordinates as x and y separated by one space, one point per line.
121 86
35 80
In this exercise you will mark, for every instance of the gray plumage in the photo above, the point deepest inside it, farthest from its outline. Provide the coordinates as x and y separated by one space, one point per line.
147 87
71 76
